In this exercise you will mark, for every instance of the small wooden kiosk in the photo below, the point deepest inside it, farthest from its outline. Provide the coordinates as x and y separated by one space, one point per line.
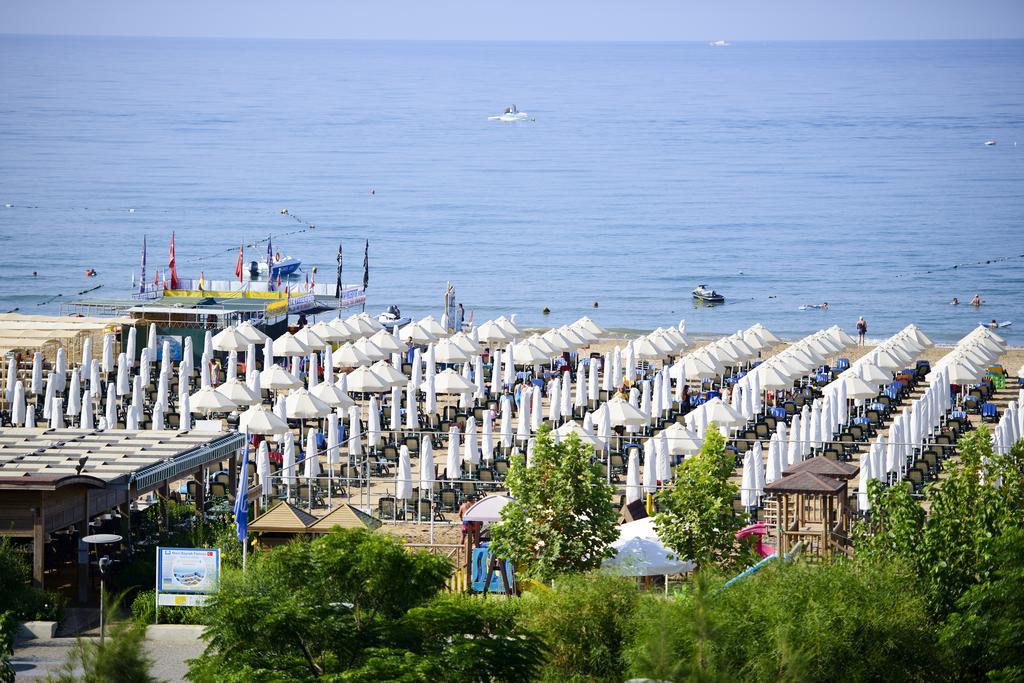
283 522
811 506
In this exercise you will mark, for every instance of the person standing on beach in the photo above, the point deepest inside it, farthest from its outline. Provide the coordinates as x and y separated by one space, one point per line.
862 330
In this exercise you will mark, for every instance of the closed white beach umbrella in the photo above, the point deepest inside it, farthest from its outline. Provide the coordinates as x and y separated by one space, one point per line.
333 450
634 491
650 467
430 395
580 399
471 452
412 418
57 413
466 397
108 353
86 353
535 409
748 487
37 375
205 378
132 418
523 415
427 466
184 415
145 367
18 405
565 394
479 379
554 401
373 423
288 472
807 431
111 407
664 459
12 375
487 437
509 377
645 400
95 385
280 409
403 479
395 413
74 393
165 357
607 381
506 421
157 423
496 382
453 466
865 478
774 470
30 417
794 449
355 437
759 470
816 430
263 467
162 400
85 420
311 462
124 386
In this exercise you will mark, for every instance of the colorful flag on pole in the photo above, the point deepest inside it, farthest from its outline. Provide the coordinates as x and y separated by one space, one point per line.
142 275
366 265
339 270
174 284
238 266
270 265
242 497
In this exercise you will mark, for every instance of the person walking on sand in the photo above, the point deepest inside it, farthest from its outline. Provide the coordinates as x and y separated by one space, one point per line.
976 301
862 330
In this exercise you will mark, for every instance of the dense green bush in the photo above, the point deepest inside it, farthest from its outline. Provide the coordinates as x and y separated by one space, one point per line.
7 625
585 622
144 611
16 592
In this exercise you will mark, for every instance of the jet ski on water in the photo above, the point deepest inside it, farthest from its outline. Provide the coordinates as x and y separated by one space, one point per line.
510 114
707 295
392 318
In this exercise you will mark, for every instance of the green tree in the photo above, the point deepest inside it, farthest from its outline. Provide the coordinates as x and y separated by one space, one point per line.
561 519
985 636
7 626
896 524
697 520
120 658
310 610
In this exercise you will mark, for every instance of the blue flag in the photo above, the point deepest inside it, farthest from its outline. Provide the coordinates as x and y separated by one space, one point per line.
242 497
270 264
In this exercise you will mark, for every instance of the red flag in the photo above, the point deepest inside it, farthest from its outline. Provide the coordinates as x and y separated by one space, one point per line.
238 266
170 264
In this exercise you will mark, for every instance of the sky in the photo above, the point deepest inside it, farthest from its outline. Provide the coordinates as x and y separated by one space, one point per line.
625 20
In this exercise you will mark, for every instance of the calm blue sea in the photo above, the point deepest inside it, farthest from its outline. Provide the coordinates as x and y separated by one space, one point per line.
778 173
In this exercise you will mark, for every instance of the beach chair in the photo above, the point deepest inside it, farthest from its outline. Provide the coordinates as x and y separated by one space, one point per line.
500 469
989 412
449 500
388 509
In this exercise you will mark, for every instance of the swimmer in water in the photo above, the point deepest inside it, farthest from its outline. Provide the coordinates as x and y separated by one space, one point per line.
954 302
976 301
993 325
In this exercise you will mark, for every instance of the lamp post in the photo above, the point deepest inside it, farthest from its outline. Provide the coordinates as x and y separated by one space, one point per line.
104 563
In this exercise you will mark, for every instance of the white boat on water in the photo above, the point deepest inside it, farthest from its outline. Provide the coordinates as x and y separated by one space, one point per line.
719 43
510 114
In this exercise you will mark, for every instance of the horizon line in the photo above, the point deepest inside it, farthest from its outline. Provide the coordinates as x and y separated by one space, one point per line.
703 41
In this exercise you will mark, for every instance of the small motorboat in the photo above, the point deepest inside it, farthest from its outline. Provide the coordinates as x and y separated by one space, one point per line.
510 114
707 295
719 43
392 318
282 266
990 143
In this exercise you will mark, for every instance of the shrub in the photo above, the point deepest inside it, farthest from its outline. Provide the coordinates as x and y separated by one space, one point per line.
17 595
585 622
144 611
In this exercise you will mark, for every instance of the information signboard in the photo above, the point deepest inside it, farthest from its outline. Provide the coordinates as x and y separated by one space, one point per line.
186 576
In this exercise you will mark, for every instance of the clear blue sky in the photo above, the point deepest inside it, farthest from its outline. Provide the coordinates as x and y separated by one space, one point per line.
523 19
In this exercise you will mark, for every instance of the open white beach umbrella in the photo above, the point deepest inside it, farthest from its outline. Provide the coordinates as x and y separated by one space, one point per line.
300 404
620 412
448 352
275 377
209 400
258 419
365 380
250 333
450 382
238 392
634 491
586 436
389 374
348 356
414 333
310 339
289 345
230 339
489 332
453 465
680 440
370 350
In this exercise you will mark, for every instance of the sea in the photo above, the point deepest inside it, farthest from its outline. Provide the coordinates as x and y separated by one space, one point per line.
780 174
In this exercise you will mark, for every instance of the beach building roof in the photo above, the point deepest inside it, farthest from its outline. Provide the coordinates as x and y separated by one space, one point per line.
823 467
283 518
347 517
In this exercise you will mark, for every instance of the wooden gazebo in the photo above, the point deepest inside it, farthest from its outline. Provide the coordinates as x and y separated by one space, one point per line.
284 521
811 507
